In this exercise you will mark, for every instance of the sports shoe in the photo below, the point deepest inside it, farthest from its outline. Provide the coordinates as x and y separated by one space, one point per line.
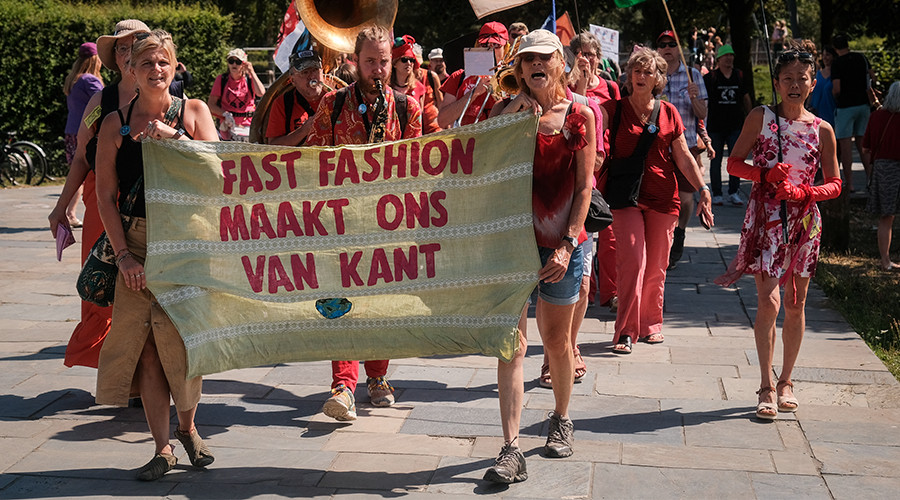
381 393
677 248
718 200
340 406
509 466
559 437
735 199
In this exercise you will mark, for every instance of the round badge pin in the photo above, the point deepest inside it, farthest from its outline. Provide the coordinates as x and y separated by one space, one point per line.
652 128
362 109
125 130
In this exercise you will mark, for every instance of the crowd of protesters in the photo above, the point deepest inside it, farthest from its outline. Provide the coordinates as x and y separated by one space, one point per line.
671 103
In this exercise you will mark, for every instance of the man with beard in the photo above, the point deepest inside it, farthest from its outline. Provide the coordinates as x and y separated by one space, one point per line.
436 63
289 120
349 116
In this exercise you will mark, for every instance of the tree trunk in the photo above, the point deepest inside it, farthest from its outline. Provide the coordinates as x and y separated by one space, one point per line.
836 222
826 16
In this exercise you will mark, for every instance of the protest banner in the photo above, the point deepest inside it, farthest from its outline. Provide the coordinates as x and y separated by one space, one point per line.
609 41
269 254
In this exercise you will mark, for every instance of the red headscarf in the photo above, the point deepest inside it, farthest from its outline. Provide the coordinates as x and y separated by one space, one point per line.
403 47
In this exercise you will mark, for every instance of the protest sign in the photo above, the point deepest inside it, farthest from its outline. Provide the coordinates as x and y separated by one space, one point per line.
269 254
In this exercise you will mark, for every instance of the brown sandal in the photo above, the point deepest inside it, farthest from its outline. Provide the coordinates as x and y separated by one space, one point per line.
157 466
195 447
766 410
580 367
787 404
545 381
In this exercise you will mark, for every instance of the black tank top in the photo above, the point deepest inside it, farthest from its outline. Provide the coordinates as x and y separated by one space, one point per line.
130 161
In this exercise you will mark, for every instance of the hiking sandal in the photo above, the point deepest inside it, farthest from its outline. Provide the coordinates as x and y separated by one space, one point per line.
787 404
766 410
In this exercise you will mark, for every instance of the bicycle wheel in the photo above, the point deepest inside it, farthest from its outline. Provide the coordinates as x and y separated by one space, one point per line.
16 168
38 158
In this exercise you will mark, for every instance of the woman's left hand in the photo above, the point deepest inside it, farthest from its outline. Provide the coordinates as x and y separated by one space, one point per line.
157 129
557 265
704 209
522 102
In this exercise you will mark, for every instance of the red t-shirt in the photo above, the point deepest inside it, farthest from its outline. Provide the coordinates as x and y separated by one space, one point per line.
601 94
350 128
659 189
299 115
482 103
887 148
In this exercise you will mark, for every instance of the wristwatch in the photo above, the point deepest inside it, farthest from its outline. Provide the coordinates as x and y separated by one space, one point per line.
572 241
178 134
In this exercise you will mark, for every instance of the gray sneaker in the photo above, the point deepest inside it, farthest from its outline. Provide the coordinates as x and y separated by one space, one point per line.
559 437
509 466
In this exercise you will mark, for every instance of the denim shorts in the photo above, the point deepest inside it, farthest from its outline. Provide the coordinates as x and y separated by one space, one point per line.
587 251
851 122
564 292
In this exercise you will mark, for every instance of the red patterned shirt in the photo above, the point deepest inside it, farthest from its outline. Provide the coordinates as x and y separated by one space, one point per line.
350 127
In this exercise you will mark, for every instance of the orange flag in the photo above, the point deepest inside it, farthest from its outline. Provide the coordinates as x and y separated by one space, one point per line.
564 29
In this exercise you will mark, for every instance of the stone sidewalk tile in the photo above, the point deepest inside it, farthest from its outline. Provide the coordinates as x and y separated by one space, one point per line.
459 397
560 478
393 443
849 414
652 386
639 482
371 419
857 459
675 339
883 396
788 486
269 437
793 435
662 428
843 376
261 489
697 457
710 355
379 471
420 377
235 466
452 420
29 487
738 432
664 371
861 487
795 462
871 433
585 450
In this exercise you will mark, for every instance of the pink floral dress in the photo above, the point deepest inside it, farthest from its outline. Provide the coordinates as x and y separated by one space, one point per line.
762 249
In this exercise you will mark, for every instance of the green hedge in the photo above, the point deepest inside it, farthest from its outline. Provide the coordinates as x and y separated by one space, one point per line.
40 40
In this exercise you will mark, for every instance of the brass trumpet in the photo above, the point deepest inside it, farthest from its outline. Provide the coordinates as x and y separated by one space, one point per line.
504 83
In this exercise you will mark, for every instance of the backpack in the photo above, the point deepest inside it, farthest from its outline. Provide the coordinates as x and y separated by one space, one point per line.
340 98
289 108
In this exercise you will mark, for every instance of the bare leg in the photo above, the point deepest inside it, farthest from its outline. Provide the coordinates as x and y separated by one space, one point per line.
885 228
768 304
511 386
863 157
847 162
155 395
71 213
554 323
687 209
792 331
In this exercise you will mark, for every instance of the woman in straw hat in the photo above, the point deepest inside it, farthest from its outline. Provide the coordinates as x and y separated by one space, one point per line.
114 51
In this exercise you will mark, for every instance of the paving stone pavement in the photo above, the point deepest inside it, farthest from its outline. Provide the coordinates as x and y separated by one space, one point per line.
669 421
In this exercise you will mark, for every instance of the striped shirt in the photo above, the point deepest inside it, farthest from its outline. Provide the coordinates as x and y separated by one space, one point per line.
676 92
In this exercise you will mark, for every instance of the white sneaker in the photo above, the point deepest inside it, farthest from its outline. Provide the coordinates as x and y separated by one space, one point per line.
735 199
718 201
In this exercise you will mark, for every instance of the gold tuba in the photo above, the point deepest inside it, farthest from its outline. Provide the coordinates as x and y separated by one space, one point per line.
504 83
334 24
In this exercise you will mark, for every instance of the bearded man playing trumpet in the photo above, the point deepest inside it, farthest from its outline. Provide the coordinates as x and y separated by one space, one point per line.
290 119
364 112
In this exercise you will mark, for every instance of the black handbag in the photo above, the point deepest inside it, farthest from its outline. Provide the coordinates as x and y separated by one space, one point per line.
624 175
599 217
97 281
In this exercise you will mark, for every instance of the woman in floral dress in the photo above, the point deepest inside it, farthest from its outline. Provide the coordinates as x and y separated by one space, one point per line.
806 143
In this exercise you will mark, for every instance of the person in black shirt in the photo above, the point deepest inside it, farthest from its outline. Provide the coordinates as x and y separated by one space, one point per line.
729 103
851 76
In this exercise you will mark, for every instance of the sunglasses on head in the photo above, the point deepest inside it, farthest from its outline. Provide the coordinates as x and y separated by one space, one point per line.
670 45
529 57
790 55
234 60
407 59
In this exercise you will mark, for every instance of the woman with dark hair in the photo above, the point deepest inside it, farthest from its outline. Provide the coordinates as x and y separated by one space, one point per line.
144 353
821 100
788 145
645 230
82 82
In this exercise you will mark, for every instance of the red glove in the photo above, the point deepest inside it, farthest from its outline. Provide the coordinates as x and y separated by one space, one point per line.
790 192
778 173
831 189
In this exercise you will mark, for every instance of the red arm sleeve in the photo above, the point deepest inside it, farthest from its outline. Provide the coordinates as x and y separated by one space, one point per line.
739 168
831 189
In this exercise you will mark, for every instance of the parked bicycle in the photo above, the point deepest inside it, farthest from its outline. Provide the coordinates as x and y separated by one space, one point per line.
23 162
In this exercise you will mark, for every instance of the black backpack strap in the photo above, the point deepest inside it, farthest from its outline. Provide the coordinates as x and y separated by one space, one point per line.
614 128
288 110
651 129
609 89
339 98
222 83
109 100
402 104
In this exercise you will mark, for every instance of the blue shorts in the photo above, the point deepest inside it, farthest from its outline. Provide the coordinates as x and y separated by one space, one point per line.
587 250
564 292
851 122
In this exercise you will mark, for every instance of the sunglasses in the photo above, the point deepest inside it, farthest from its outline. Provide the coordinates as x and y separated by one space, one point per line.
790 55
531 56
587 55
670 45
408 60
234 60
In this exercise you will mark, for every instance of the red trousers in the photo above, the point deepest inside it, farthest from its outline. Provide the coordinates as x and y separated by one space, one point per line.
347 372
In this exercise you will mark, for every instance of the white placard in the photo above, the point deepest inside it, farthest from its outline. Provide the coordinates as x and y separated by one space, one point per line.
479 61
609 41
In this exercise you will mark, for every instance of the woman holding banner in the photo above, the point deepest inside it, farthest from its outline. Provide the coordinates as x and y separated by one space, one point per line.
143 352
561 192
